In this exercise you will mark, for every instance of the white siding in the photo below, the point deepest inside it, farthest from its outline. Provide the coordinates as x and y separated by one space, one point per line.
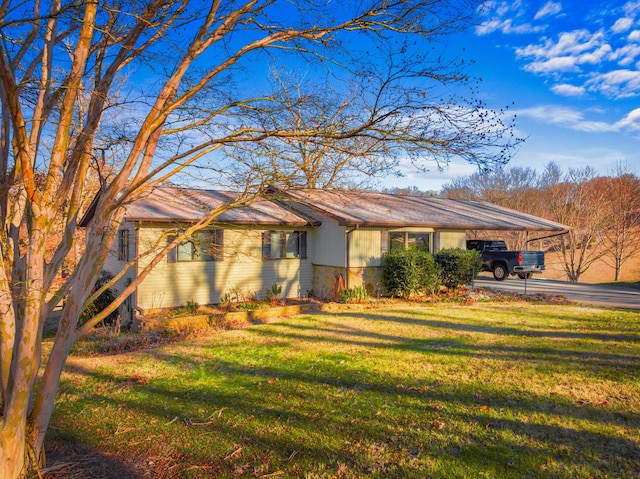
450 239
114 265
330 244
365 248
242 274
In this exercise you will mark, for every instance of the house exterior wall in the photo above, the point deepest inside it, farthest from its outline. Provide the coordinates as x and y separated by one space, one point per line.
115 263
450 239
365 248
242 274
365 261
330 242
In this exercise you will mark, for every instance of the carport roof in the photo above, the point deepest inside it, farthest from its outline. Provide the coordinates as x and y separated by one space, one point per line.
357 208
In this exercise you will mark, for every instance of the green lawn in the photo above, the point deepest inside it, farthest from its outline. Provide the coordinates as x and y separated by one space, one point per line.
490 390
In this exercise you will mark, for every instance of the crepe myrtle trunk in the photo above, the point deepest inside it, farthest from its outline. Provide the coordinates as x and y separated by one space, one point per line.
22 360
25 416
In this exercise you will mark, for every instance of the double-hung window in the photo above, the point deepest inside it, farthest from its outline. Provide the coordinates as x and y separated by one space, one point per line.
284 245
410 240
206 245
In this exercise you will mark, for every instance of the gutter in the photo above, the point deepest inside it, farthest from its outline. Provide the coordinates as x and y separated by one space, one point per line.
548 236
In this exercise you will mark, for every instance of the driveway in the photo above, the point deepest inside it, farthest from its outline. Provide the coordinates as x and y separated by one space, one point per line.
596 294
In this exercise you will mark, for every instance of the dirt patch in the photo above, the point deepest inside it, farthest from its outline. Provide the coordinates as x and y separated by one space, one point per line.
78 462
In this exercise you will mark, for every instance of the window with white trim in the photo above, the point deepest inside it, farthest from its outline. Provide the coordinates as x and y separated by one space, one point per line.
284 245
205 245
410 240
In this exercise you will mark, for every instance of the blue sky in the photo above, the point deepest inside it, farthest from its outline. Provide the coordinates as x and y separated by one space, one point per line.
573 70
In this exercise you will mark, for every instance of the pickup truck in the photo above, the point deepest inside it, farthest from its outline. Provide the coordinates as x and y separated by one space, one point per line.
502 262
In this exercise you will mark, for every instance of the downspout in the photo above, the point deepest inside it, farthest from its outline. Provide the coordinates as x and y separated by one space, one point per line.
348 258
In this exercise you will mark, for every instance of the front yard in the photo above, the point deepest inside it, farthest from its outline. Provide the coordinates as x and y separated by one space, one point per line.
499 390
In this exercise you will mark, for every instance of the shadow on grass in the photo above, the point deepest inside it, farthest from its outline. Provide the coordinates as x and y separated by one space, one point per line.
326 410
456 346
70 458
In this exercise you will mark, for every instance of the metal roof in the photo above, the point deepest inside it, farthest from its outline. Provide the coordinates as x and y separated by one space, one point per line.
348 208
190 205
357 208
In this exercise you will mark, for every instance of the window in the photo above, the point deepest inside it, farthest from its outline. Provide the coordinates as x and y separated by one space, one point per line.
284 245
204 245
123 245
406 240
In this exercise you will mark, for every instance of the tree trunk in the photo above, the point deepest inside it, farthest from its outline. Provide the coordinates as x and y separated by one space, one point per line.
12 449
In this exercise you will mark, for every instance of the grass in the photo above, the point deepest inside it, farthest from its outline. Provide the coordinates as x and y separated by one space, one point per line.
499 390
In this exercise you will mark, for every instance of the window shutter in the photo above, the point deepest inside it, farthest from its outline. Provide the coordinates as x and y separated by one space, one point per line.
266 245
384 242
123 240
303 244
218 252
172 255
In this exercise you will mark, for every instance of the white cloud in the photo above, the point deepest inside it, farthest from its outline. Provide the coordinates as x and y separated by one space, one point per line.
632 7
627 54
506 27
617 83
622 25
503 17
599 60
549 8
602 53
553 65
574 119
567 53
565 89
631 121
575 42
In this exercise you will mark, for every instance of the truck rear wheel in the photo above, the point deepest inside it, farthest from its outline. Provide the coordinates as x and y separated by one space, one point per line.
500 272
525 275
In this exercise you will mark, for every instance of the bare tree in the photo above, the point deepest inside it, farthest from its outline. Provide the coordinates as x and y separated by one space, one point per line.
620 236
576 200
515 188
166 85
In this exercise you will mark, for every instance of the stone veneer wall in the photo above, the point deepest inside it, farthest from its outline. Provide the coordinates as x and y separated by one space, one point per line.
328 281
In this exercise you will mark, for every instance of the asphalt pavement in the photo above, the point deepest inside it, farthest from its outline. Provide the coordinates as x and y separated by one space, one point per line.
596 294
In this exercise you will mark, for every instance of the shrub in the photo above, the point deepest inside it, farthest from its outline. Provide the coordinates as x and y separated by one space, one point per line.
409 272
353 295
192 307
105 299
458 266
273 294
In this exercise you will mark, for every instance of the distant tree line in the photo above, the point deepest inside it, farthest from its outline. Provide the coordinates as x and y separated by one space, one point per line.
603 211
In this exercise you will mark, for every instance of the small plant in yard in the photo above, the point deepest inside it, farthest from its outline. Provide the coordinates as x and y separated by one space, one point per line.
192 307
248 306
353 295
273 294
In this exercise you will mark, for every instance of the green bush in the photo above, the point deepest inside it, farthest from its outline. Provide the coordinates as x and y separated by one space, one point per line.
409 272
105 299
458 266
